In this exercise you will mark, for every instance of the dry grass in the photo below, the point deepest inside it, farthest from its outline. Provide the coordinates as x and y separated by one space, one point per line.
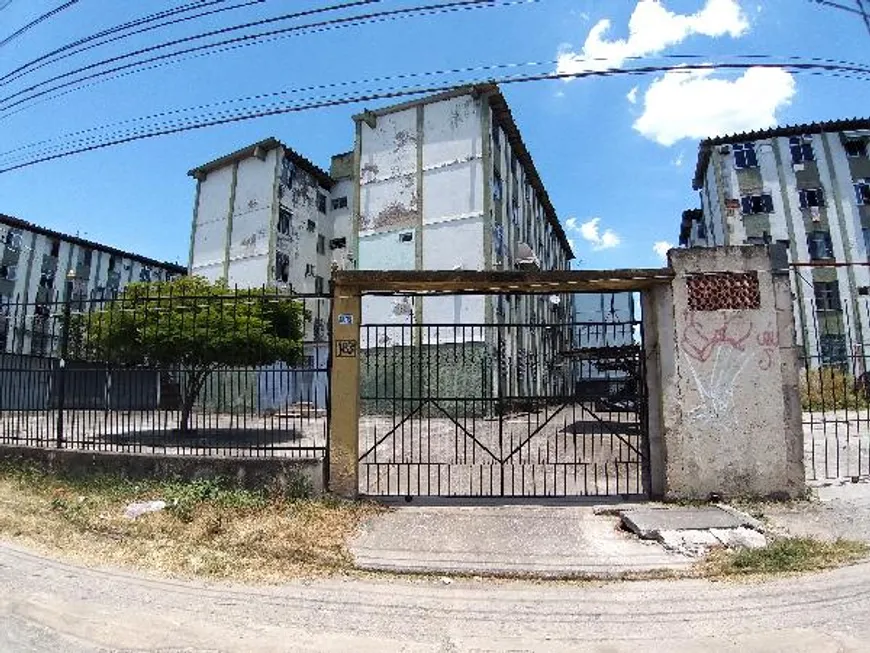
785 555
210 528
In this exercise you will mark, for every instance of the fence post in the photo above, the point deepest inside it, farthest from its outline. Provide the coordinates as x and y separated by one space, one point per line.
343 445
64 352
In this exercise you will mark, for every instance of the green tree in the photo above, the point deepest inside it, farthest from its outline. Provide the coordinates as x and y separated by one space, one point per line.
192 325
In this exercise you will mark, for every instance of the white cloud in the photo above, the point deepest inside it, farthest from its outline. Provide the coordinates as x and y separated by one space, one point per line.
632 95
678 161
652 29
661 248
692 104
599 240
571 223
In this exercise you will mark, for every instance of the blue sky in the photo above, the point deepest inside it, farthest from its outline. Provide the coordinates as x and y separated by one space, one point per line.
616 154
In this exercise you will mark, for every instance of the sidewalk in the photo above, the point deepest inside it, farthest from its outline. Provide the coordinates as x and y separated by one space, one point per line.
545 541
565 540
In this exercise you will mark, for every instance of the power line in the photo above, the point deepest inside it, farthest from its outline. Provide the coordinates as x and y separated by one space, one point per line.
68 50
187 39
250 39
36 21
65 139
406 91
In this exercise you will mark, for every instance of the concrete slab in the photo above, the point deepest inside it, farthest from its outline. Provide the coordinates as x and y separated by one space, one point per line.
648 524
542 541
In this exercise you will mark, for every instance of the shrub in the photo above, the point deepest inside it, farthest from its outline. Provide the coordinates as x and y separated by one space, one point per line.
830 388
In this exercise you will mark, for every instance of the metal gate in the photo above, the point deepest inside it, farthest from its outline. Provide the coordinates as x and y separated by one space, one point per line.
512 395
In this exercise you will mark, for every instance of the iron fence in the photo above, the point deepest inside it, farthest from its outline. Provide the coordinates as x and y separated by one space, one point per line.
499 395
832 320
235 373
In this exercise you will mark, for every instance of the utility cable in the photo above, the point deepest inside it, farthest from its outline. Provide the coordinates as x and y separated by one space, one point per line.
314 28
386 94
187 39
69 50
67 138
37 21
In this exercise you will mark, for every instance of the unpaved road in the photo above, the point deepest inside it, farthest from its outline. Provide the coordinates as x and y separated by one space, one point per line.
50 606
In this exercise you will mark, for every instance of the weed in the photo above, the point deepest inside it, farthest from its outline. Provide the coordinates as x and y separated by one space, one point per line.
789 554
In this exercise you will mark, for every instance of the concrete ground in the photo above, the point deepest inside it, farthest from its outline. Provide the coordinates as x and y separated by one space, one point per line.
841 510
505 540
47 606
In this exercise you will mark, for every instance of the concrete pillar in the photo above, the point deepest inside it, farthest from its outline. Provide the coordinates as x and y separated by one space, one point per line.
344 418
723 378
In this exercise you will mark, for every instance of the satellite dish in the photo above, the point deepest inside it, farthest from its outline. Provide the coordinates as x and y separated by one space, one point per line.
555 300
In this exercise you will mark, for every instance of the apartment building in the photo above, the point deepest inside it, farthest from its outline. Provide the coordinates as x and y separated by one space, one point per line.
443 182
807 186
40 266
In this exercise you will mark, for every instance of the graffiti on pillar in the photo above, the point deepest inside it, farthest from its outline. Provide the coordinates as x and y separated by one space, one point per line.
768 341
717 347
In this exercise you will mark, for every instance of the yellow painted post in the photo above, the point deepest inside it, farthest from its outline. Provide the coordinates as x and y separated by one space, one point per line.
344 420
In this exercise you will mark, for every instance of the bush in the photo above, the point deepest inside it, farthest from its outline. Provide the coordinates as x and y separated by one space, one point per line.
831 388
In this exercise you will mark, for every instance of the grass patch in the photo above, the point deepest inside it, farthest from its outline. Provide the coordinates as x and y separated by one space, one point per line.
830 388
210 527
784 555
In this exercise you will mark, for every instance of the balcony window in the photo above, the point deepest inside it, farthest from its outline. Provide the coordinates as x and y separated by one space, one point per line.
744 156
855 147
819 245
811 197
801 149
827 295
754 204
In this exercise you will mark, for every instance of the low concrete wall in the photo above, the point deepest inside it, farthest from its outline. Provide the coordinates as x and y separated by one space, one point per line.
722 374
252 473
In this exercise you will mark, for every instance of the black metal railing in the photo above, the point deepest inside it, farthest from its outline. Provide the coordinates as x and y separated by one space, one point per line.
235 372
832 320
529 402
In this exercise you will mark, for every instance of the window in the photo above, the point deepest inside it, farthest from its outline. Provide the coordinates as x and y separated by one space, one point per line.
311 226
321 202
496 137
406 237
801 149
862 191
8 272
319 335
13 239
284 220
339 203
752 204
338 243
87 256
827 295
321 244
288 172
55 250
744 155
282 267
318 285
145 274
497 189
46 280
309 269
866 233
811 197
819 245
702 230
833 349
855 147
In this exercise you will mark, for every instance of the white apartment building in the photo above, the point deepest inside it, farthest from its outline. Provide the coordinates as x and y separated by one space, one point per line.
440 183
444 182
807 186
35 273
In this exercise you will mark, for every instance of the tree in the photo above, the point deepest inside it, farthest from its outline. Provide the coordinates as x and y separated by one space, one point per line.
193 325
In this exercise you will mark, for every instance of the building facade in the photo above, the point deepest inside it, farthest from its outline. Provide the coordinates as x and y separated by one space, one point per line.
40 267
444 182
807 186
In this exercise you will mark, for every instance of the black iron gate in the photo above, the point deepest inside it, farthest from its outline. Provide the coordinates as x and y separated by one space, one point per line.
513 396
